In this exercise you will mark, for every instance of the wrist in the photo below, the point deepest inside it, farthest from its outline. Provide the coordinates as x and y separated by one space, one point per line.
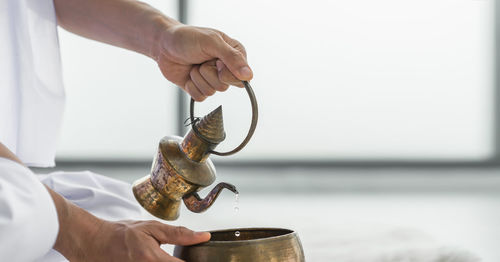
77 228
162 25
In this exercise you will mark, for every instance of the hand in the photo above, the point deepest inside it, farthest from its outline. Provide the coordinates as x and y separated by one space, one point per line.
138 241
125 241
201 60
84 237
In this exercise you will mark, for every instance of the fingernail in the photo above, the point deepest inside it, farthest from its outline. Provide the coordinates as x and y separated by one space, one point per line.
202 233
219 65
245 72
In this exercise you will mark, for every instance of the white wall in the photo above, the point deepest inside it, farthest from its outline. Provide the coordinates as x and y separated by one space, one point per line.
360 79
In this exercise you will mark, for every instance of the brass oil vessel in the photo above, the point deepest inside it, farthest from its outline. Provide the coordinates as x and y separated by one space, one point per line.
181 166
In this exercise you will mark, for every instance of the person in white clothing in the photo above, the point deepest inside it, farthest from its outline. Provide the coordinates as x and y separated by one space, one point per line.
62 213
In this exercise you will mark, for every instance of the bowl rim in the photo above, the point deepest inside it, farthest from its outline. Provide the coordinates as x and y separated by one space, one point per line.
290 234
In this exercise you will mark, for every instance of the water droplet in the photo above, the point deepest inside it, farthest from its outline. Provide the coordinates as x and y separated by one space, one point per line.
236 203
237 233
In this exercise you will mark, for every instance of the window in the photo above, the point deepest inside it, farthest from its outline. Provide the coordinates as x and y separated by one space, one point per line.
118 104
335 80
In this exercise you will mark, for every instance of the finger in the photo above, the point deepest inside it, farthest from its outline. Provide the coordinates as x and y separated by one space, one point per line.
225 76
210 73
193 91
178 235
234 43
200 82
233 58
167 234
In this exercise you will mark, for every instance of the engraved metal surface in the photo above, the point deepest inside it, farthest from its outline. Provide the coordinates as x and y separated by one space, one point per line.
181 166
251 244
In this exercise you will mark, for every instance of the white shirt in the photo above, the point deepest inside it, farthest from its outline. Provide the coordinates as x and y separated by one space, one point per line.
31 108
31 88
28 218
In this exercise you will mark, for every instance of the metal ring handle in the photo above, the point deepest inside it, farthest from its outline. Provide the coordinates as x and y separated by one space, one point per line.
255 117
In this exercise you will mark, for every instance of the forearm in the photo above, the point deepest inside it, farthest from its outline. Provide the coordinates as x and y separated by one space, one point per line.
6 153
124 23
77 228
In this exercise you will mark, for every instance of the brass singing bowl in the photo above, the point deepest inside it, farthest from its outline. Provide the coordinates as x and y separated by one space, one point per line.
253 244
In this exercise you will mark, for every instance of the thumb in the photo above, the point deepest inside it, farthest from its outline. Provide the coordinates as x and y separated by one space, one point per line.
234 60
178 235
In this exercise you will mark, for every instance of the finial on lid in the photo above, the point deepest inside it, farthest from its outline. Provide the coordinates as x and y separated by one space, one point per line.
211 126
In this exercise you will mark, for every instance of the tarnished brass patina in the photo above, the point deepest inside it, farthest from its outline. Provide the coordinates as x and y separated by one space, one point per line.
252 244
181 166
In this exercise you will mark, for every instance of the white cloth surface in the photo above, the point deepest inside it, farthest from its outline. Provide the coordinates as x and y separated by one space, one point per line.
31 87
102 196
28 218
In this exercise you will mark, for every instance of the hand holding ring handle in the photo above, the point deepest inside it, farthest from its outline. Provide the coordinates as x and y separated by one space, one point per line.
255 116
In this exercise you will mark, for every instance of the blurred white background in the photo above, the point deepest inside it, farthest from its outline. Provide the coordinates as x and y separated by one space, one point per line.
335 80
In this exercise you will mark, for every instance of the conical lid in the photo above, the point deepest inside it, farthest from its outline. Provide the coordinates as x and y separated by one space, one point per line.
211 126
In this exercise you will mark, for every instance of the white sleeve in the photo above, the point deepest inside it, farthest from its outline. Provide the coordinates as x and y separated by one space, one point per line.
28 217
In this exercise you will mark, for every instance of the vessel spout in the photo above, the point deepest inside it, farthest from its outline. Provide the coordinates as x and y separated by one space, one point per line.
196 204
